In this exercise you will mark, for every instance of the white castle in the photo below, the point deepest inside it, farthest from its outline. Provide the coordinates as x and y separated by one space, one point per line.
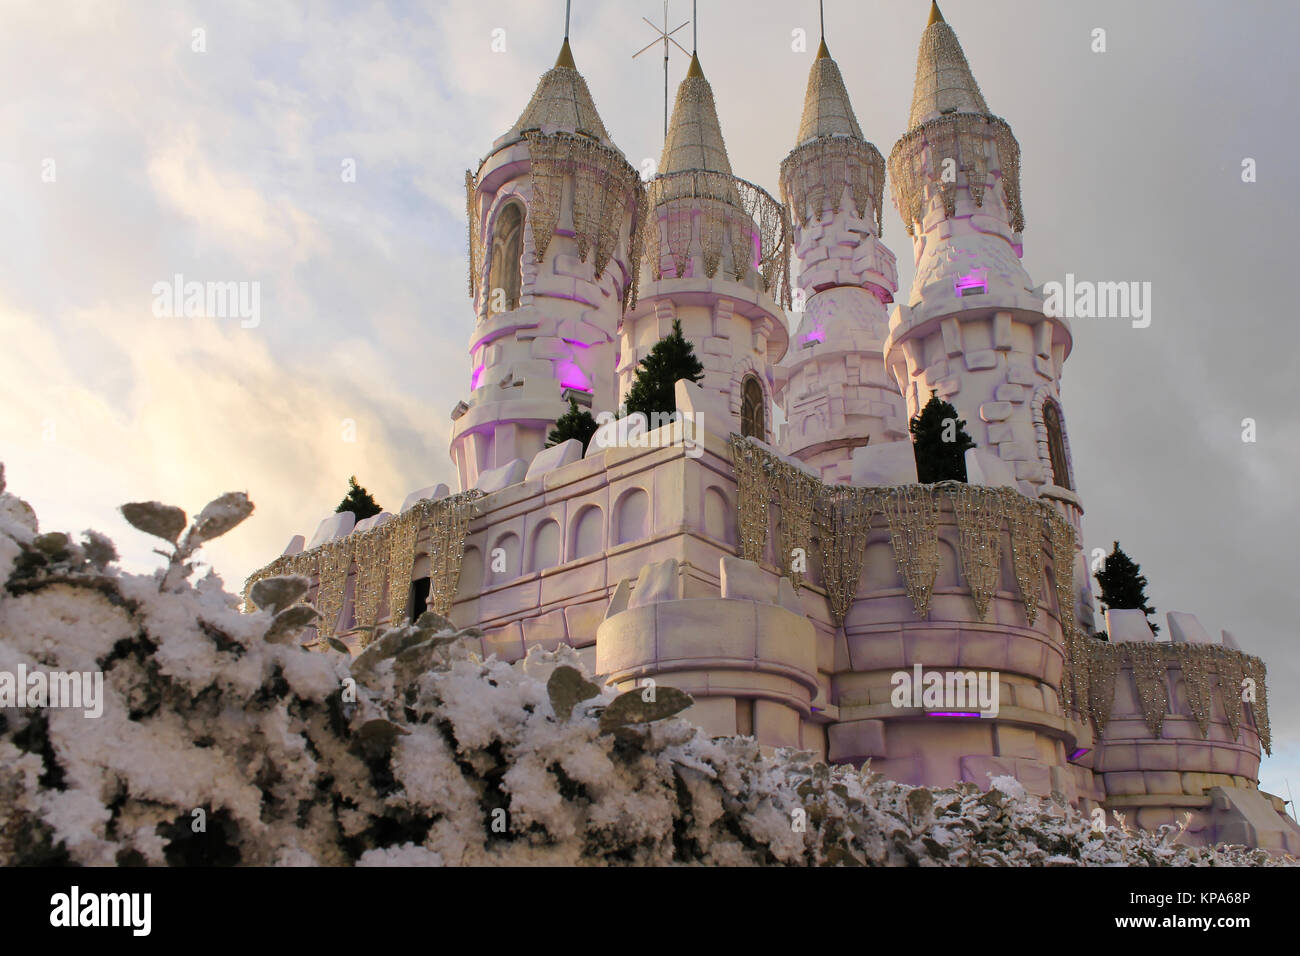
798 581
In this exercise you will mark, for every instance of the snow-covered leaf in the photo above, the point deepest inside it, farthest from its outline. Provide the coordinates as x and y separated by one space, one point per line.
219 516
155 518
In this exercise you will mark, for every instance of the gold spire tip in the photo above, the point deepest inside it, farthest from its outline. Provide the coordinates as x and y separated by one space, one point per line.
566 56
936 15
822 52
696 69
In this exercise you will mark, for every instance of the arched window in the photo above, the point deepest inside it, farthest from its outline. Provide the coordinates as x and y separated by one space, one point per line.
753 417
506 273
1056 444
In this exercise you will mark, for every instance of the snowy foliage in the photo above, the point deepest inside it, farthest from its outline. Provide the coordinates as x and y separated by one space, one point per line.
421 753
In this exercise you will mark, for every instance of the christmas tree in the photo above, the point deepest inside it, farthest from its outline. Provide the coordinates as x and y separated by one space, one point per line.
1123 585
940 442
575 423
671 359
358 501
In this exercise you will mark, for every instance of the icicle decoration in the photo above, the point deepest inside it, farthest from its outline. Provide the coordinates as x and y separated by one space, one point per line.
753 491
1150 678
720 212
796 494
845 518
913 516
1195 661
916 165
1231 672
1103 665
814 175
1025 523
979 512
335 563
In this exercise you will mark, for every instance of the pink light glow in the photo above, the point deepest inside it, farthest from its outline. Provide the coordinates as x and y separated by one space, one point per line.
818 334
951 713
571 376
476 378
975 279
576 344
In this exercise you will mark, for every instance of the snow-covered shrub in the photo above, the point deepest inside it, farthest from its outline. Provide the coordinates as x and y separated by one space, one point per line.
223 741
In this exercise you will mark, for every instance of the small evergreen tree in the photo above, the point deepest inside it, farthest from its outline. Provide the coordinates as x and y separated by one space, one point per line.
671 359
575 423
1123 585
939 441
358 501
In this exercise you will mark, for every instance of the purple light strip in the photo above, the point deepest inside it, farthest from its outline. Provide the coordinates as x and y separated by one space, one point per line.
951 713
1079 753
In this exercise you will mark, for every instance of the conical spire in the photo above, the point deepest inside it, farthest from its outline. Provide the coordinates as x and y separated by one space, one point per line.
826 107
694 138
562 101
944 82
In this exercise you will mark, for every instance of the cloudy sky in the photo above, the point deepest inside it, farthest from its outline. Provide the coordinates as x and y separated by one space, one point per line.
128 156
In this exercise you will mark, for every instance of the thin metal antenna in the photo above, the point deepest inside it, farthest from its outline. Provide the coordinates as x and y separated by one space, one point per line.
665 36
568 5
695 28
1291 800
821 4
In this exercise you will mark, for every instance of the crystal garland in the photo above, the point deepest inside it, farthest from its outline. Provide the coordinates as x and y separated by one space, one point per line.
475 239
796 495
1255 669
1231 672
370 552
979 513
753 492
914 165
448 525
1025 523
845 519
1195 664
1074 681
1103 665
722 205
402 534
335 562
913 516
1150 678
814 175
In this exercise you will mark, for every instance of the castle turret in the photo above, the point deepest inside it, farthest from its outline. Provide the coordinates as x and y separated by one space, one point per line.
553 231
973 329
833 385
716 251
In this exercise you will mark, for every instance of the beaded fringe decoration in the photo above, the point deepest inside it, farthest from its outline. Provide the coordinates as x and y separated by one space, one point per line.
753 491
796 494
913 516
979 523
724 213
369 552
385 560
1103 665
1150 677
1025 522
845 520
605 185
1074 680
1231 672
813 178
916 163
335 561
1259 709
475 240
1195 664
